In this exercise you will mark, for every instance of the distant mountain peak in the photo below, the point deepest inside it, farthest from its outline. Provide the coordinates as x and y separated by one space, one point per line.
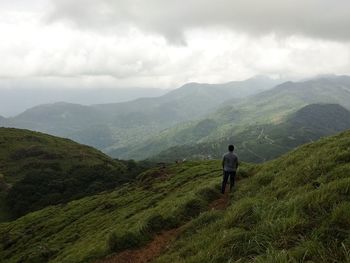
260 77
253 78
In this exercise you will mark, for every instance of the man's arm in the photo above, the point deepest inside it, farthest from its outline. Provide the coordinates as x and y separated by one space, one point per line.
223 163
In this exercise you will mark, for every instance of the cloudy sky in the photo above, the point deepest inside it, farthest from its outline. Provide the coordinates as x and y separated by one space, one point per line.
163 44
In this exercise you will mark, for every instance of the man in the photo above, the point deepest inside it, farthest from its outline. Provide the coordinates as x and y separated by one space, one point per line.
229 166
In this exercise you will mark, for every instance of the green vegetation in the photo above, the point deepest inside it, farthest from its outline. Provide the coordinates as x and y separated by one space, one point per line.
91 227
38 170
259 143
292 209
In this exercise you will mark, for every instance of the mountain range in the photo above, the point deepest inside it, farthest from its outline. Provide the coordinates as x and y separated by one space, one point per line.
269 107
119 125
18 97
197 116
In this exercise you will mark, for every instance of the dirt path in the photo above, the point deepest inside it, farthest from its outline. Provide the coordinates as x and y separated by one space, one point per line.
221 203
160 242
146 253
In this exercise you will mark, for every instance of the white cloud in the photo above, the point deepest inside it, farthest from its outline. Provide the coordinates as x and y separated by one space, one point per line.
314 18
122 43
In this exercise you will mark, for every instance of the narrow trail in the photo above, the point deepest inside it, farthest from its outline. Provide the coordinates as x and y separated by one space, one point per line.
161 241
261 134
146 253
222 202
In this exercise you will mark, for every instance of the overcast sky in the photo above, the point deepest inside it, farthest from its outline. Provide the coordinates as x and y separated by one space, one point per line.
162 43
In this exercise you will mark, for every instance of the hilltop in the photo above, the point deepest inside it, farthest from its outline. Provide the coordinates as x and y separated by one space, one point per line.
38 170
292 209
325 118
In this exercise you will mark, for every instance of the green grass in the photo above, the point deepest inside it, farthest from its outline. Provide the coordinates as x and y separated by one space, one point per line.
23 149
292 209
91 227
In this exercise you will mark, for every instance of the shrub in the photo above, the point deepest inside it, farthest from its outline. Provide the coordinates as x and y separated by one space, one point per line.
155 223
121 241
208 194
192 208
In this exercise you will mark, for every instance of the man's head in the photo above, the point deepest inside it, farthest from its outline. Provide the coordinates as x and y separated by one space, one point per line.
231 148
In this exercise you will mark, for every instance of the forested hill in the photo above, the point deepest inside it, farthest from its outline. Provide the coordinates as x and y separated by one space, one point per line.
292 209
37 170
324 118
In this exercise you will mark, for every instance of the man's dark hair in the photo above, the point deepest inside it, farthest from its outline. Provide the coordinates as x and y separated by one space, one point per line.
231 148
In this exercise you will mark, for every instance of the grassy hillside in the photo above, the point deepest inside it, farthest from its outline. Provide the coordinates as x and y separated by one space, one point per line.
293 209
258 143
95 226
266 108
38 170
